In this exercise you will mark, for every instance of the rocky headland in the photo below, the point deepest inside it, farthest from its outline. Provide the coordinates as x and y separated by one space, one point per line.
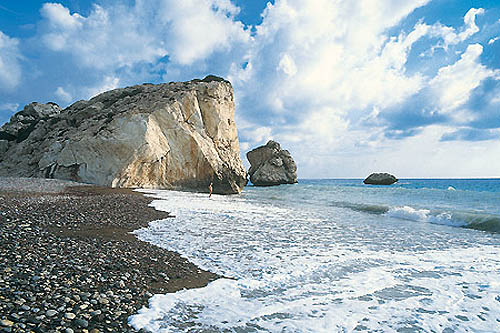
178 135
380 179
270 165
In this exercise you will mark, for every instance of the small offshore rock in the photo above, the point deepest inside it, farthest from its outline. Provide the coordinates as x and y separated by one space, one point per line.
380 179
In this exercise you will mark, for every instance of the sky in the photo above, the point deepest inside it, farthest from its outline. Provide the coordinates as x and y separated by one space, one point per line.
410 87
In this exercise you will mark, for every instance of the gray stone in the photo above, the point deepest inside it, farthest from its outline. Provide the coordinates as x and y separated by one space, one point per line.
175 136
51 313
81 323
4 145
103 301
271 165
69 315
380 179
14 317
95 313
6 323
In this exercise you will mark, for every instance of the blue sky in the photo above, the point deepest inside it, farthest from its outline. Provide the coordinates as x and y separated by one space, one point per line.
349 87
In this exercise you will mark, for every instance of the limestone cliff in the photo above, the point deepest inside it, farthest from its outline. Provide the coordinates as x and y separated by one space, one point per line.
179 135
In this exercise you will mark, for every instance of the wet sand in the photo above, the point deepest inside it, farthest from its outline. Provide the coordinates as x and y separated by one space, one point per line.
69 263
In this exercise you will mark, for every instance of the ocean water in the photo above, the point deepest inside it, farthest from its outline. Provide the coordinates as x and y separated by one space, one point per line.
334 256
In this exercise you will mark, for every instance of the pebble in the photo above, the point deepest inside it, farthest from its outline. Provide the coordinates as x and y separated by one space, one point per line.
52 281
69 315
81 323
103 301
5 322
14 317
95 313
51 313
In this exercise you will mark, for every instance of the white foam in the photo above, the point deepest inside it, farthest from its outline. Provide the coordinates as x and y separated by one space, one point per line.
313 271
424 215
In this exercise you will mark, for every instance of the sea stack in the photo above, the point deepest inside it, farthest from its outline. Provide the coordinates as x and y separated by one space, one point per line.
380 179
178 135
271 165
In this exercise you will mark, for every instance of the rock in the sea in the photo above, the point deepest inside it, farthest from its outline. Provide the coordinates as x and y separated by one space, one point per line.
271 165
380 179
179 135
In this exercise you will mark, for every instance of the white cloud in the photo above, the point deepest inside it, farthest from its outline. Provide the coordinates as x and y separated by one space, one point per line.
450 35
60 17
10 68
470 22
12 107
287 65
108 83
454 83
101 40
63 95
337 62
196 28
493 40
116 36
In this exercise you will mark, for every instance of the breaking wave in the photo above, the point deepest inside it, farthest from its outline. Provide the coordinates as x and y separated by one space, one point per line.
469 220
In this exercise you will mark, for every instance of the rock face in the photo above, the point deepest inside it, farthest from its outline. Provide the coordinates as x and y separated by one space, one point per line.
271 165
179 135
380 179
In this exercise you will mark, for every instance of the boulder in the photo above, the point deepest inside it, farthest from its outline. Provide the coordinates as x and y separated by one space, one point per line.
271 165
177 135
380 179
24 122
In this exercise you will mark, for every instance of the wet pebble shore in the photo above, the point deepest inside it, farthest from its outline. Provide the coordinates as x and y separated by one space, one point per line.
68 262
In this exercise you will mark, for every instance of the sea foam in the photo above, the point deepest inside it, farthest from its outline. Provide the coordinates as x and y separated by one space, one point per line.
326 269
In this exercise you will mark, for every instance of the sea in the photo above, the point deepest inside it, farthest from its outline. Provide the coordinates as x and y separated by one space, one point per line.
422 255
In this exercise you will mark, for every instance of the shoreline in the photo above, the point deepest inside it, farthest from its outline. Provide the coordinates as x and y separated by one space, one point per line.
68 260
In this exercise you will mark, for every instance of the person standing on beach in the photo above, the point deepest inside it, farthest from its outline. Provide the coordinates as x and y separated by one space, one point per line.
210 190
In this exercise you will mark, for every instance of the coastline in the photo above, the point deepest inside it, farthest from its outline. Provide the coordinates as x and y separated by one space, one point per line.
68 261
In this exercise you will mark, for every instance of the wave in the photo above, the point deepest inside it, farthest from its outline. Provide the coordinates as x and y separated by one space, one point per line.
468 220
364 208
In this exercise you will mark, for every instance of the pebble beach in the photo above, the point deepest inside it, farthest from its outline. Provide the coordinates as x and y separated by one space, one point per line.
68 260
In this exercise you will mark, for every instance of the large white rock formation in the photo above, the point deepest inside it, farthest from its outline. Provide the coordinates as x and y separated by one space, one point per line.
176 136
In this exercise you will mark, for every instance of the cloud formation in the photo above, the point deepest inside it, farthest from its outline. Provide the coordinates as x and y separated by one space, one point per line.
10 67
